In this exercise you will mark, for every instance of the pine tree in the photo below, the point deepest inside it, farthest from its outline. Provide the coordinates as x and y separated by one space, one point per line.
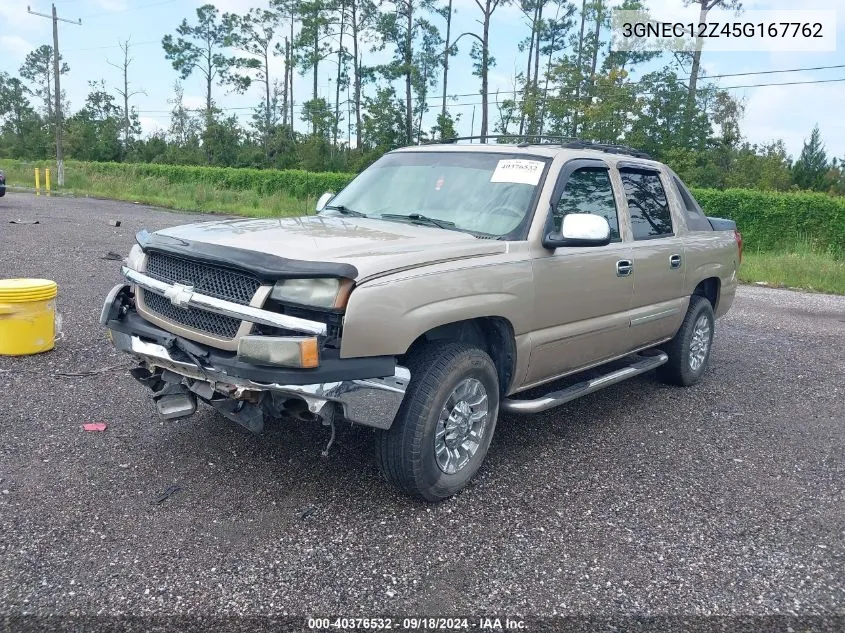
811 168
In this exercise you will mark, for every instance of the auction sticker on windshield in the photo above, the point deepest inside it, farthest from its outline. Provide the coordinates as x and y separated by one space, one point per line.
518 170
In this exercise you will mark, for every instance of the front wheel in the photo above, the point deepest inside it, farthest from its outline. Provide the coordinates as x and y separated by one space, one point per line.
443 429
689 349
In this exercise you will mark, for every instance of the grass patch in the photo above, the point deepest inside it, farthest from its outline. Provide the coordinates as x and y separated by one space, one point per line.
159 191
191 196
804 269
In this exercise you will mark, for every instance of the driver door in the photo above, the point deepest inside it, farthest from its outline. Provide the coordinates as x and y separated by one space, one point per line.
583 294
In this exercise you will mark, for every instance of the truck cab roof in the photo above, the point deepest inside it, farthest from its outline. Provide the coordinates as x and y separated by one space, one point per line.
612 154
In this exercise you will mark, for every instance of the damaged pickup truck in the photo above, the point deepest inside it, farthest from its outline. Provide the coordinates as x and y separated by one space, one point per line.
429 295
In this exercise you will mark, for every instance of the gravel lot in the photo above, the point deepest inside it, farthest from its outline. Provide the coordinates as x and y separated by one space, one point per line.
725 498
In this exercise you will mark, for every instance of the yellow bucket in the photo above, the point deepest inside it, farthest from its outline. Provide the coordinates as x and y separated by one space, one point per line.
27 316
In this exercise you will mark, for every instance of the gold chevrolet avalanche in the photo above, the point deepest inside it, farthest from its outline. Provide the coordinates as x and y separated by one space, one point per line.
429 295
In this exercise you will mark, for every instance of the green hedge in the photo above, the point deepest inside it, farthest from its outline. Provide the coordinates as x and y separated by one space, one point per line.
297 183
769 221
773 221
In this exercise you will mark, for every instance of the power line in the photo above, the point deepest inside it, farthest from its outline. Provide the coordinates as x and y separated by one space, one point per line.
786 83
608 88
764 85
637 83
100 48
164 113
769 72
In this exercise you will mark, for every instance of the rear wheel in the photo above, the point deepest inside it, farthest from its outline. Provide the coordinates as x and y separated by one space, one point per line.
443 429
689 349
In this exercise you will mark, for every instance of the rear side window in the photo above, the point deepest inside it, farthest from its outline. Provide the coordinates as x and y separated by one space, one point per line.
588 190
696 220
647 203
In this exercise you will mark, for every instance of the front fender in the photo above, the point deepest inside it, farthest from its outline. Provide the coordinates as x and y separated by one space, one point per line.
385 317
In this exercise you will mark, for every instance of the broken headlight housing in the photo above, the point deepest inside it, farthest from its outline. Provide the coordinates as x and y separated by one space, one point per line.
322 292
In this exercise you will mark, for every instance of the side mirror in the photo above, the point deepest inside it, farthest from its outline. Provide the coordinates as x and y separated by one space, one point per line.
324 200
580 229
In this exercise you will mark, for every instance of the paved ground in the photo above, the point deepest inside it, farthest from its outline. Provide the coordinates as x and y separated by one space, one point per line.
724 498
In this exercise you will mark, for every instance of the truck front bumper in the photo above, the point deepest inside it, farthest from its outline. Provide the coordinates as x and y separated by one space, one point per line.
361 386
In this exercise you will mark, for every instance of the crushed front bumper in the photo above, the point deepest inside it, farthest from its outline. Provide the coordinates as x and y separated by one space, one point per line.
369 400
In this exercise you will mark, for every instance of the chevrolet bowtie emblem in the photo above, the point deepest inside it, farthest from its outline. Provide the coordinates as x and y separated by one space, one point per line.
179 295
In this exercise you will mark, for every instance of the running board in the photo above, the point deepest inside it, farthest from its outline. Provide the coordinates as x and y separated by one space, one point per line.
557 398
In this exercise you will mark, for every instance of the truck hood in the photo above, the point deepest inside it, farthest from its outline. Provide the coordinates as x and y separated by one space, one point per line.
374 247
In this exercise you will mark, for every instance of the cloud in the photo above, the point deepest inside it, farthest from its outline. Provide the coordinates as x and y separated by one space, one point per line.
233 6
193 102
13 16
149 125
112 5
17 46
783 112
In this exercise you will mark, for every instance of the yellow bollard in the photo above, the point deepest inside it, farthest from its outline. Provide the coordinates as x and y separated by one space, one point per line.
47 180
37 181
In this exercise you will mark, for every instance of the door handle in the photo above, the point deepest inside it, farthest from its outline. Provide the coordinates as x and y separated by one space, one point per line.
675 261
624 268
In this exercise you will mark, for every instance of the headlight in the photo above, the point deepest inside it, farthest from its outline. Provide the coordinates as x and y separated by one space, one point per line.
328 292
135 258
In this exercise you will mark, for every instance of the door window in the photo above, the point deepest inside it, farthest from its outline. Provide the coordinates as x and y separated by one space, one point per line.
647 203
588 190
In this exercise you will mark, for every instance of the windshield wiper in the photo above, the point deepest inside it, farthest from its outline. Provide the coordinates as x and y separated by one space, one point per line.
345 210
422 219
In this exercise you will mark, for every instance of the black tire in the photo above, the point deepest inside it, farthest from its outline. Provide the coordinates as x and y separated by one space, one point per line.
679 370
406 453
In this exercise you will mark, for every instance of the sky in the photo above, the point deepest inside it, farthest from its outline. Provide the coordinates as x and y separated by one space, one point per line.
771 112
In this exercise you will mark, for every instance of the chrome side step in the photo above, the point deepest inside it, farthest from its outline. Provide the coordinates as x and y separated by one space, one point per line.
557 398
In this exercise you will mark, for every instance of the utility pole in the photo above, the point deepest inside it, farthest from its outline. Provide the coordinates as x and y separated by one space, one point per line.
60 164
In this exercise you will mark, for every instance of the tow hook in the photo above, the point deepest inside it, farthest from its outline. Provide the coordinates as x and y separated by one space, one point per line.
175 401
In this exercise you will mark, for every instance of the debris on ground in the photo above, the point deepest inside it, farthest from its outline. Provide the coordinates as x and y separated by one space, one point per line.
19 221
114 222
307 512
172 489
112 256
90 372
95 426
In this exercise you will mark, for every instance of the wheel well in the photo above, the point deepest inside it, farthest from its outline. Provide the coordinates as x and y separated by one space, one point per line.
709 288
492 334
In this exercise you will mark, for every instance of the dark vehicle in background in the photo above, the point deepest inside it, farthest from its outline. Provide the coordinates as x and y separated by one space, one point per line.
2 183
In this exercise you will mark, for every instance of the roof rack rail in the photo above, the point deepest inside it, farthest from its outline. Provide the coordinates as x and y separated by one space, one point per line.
522 139
607 147
568 142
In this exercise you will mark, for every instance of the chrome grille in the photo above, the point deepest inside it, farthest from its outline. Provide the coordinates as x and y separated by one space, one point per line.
206 279
215 324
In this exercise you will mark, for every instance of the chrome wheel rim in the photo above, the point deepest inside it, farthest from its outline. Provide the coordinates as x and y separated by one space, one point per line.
461 426
700 343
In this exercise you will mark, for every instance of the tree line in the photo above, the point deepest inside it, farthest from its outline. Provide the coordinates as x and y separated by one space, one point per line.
389 64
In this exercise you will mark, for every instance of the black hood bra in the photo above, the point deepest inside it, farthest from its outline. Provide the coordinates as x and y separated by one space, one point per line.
263 265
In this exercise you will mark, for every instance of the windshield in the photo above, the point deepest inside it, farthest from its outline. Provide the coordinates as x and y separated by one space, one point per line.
485 193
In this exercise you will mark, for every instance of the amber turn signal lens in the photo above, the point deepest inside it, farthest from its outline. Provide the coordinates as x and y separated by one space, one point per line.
287 351
309 353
